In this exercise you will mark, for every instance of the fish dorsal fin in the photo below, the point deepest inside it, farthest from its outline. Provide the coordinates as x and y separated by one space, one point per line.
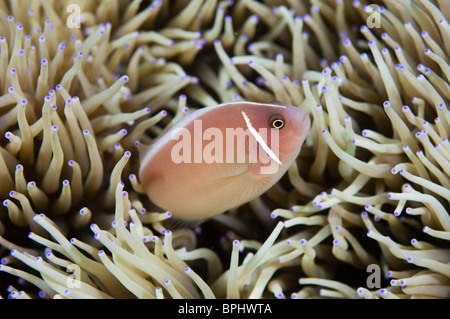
143 150
279 103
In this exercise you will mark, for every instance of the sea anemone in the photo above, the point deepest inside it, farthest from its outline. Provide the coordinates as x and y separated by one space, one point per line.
84 82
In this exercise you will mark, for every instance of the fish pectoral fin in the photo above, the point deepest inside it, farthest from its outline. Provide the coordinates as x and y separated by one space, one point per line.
240 188
178 223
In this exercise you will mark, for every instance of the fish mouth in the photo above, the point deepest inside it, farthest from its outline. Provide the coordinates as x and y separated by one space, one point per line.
303 126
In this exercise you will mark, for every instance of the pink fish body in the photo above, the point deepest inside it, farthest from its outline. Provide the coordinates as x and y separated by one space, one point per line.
220 157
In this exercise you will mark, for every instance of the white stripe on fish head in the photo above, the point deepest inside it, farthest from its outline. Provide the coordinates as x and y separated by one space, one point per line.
259 139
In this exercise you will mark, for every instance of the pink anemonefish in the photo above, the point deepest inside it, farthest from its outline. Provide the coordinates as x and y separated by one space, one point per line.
220 157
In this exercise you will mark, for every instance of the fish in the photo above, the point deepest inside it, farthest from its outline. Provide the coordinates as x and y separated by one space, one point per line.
220 157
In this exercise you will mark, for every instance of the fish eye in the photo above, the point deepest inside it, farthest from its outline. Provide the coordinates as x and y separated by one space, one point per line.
277 121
